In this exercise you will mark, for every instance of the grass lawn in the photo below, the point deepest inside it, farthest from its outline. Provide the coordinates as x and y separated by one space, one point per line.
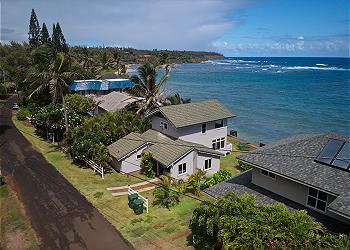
15 228
230 162
160 228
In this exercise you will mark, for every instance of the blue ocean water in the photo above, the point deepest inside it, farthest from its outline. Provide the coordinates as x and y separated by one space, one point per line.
272 98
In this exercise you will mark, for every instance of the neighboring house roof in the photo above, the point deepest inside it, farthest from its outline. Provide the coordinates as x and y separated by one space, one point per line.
341 204
100 84
294 157
164 149
183 115
115 101
126 145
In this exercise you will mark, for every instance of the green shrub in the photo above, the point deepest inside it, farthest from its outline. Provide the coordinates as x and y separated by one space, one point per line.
243 166
147 165
220 176
23 114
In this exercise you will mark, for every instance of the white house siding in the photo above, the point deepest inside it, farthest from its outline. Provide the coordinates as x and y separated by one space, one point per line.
190 160
130 163
289 189
171 131
215 163
192 133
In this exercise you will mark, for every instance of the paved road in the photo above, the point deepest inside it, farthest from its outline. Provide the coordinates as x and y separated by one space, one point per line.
61 216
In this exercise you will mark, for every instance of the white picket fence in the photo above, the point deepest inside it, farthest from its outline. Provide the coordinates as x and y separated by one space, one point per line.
145 200
95 167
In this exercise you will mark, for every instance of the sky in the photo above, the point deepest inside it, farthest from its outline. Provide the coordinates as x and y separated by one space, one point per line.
232 27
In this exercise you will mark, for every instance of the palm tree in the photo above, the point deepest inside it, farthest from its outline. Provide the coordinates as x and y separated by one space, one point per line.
165 196
195 181
146 86
86 59
176 99
55 80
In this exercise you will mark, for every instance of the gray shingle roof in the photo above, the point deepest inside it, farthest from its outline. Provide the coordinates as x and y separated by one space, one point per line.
194 113
294 159
115 101
163 148
126 145
342 204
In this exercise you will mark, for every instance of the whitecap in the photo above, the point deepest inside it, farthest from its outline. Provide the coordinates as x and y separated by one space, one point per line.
321 64
313 68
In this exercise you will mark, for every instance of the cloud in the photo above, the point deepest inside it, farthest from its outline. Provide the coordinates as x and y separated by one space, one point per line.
337 45
171 24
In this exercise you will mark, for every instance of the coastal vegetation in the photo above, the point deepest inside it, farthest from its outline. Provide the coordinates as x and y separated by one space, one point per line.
238 222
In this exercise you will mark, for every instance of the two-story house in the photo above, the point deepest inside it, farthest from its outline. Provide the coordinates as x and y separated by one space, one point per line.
183 138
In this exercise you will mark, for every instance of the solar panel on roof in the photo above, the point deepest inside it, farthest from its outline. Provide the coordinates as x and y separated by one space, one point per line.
335 153
342 159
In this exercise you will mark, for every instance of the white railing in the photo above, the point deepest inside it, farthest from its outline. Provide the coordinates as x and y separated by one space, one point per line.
145 200
95 167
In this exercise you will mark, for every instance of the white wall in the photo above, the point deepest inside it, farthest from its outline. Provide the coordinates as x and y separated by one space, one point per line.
189 159
192 133
171 131
130 163
215 163
289 189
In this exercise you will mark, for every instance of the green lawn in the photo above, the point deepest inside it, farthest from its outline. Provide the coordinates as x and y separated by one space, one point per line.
167 229
230 162
15 228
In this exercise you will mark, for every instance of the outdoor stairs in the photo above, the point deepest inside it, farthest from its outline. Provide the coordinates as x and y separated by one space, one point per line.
139 187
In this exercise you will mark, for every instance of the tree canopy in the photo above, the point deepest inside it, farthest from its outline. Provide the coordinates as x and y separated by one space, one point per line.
237 222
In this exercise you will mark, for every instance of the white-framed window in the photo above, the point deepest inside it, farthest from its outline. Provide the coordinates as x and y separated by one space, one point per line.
207 164
138 156
218 143
219 123
163 125
317 199
269 174
204 128
182 169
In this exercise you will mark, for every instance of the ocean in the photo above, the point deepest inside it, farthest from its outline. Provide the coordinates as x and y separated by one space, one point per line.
272 98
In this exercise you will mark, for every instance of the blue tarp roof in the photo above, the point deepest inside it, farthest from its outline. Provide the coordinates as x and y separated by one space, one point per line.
100 84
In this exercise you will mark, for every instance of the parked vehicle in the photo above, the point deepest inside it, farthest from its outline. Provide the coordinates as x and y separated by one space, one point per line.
15 106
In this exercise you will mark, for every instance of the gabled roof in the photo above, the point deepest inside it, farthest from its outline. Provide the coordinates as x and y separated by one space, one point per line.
164 149
294 157
126 145
183 115
115 101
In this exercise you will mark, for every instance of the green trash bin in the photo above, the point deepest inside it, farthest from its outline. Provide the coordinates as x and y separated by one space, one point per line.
132 197
137 206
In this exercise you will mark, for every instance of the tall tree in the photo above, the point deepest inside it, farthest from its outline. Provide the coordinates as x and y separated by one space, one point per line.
58 40
54 79
44 37
146 86
34 30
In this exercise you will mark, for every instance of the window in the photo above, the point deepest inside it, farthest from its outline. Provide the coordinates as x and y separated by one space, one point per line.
182 168
163 125
269 174
317 199
218 143
207 164
219 123
138 156
204 128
